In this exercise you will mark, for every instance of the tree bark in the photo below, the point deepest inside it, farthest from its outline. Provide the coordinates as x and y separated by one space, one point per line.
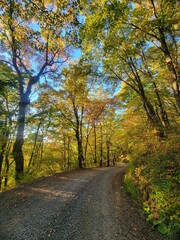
7 170
101 147
172 66
78 134
151 114
64 151
95 144
153 118
34 147
172 70
88 132
163 113
5 148
80 150
41 149
17 148
108 153
69 153
1 161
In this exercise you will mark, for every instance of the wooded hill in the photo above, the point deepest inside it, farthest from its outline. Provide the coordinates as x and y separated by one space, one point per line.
93 83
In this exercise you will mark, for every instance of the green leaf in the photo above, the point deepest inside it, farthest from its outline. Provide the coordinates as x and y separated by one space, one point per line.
163 228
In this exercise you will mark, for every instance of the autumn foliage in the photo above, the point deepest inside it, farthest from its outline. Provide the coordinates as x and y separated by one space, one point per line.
93 83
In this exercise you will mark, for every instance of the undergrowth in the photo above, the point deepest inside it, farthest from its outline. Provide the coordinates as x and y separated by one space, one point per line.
154 177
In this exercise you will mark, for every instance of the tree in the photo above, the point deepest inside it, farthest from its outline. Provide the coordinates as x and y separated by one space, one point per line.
155 23
33 44
158 22
125 59
8 102
69 102
96 107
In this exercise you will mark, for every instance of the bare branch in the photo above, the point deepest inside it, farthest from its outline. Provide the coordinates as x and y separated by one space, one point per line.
68 119
122 80
7 62
142 30
25 68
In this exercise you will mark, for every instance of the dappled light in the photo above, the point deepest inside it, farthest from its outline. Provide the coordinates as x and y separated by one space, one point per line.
92 85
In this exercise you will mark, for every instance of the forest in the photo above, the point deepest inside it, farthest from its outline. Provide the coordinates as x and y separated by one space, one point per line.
90 84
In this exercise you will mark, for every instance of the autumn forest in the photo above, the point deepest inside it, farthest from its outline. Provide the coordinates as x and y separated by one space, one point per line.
92 84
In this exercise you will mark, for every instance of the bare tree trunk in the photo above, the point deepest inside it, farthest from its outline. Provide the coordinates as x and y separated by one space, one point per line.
69 153
34 147
95 144
41 147
108 153
7 170
17 148
101 147
64 152
78 133
80 150
6 134
174 75
163 113
87 141
151 114
172 66
114 159
7 164
1 161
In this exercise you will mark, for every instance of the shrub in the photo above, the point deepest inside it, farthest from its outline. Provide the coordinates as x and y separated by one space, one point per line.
153 176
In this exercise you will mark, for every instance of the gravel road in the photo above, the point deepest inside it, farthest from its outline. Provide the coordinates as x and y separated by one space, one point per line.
77 205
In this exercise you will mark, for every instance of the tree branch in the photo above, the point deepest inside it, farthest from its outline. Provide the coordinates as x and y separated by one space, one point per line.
122 80
142 30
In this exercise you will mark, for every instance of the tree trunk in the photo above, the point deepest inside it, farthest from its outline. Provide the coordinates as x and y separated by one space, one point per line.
64 152
41 149
151 114
172 66
35 145
101 147
87 141
80 155
108 153
5 148
95 144
5 155
114 160
69 153
78 133
1 161
7 170
86 148
17 148
80 150
152 117
172 70
163 113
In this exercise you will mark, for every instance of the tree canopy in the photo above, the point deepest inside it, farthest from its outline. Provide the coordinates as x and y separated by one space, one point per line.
93 83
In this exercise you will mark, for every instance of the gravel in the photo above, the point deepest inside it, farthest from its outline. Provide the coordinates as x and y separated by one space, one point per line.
83 204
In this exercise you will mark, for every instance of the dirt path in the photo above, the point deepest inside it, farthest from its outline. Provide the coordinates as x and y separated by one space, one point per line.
88 204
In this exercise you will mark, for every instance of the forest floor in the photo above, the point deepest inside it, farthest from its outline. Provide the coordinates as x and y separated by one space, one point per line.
88 204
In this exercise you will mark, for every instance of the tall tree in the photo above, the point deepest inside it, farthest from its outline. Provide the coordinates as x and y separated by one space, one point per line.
69 102
33 43
158 21
8 102
122 56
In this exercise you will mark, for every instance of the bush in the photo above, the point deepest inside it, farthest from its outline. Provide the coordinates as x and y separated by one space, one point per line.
153 176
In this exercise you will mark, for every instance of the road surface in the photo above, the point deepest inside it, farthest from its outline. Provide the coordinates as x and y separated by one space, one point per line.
76 205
